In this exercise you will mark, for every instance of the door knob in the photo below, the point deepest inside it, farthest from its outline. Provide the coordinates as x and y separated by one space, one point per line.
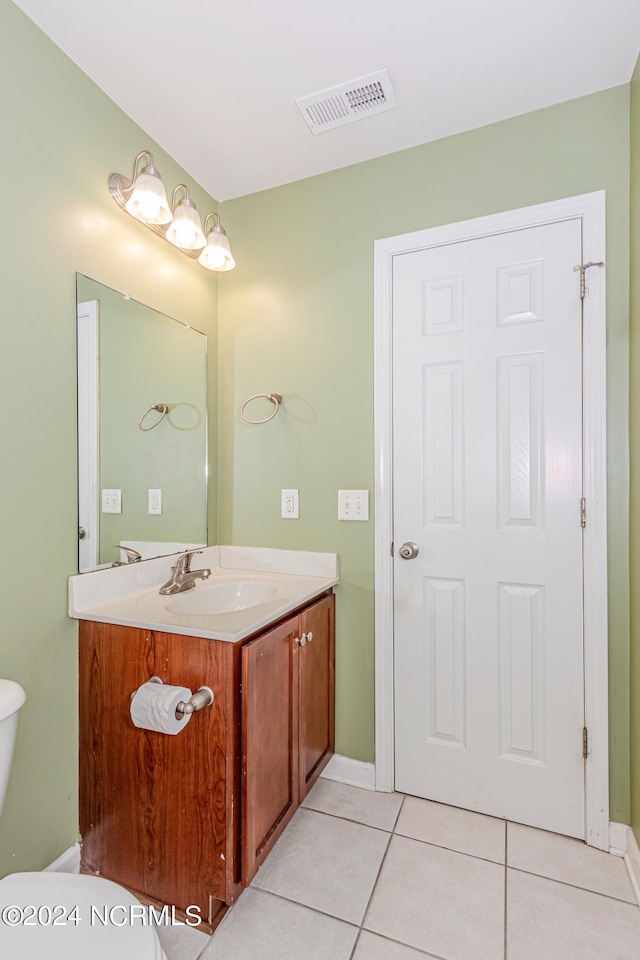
409 550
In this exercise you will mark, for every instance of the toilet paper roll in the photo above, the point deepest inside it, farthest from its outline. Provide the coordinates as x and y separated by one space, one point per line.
153 707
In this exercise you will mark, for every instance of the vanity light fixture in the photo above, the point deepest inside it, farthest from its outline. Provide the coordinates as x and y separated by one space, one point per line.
185 230
144 198
217 253
147 199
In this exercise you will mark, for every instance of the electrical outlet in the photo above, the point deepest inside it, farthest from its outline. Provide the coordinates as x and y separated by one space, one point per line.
353 504
112 501
290 510
155 501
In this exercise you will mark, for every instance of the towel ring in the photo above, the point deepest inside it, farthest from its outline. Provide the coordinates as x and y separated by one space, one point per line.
275 398
162 409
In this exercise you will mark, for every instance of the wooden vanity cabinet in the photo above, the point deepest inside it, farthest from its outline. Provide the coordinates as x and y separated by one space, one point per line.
156 811
182 820
316 692
287 724
270 787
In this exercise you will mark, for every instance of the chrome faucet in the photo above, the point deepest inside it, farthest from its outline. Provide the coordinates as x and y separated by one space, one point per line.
182 576
132 556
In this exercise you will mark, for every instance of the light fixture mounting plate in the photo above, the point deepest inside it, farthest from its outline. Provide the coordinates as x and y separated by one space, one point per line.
120 189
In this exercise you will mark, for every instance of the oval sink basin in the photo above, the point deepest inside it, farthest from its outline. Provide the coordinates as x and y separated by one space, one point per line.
222 597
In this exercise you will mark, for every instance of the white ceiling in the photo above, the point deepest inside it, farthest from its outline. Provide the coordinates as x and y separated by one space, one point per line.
215 82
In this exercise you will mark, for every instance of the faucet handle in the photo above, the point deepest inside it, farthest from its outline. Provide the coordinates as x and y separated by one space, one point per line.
132 555
183 563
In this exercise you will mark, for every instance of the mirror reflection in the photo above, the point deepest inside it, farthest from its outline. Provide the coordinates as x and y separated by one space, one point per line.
142 429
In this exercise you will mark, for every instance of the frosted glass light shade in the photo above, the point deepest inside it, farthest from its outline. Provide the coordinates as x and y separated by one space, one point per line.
185 230
217 253
144 198
148 200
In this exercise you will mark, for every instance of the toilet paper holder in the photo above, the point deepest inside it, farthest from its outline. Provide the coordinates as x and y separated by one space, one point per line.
203 697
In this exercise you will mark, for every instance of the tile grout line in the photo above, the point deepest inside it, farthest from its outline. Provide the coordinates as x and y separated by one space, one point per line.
439 846
573 886
400 808
375 884
337 816
373 890
408 946
305 906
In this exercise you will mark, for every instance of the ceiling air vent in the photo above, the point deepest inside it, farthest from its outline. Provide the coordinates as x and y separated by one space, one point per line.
348 102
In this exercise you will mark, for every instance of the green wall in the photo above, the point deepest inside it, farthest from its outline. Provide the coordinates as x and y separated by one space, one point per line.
296 317
635 451
62 137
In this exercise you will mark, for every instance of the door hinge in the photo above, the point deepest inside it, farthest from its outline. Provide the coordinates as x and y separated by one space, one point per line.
583 267
585 743
583 512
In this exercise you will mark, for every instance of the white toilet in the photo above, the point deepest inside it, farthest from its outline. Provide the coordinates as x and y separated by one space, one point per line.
64 916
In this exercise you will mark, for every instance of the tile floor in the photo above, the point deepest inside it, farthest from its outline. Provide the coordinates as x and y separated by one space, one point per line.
369 876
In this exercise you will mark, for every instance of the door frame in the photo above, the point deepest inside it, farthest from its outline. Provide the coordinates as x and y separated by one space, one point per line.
88 344
590 209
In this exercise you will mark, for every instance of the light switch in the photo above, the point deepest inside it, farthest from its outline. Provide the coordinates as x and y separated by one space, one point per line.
155 501
353 504
112 501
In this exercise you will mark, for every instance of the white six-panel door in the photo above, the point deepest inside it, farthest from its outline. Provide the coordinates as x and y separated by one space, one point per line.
487 481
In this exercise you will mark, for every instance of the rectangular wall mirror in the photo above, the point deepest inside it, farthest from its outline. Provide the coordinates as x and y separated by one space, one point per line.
142 429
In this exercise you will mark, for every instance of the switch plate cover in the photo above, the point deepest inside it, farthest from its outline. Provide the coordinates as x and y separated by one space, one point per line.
353 504
112 501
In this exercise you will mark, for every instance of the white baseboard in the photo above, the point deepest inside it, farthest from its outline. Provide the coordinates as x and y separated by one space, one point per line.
354 772
67 862
632 861
618 838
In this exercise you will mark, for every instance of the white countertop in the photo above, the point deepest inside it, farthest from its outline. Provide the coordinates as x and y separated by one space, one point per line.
280 580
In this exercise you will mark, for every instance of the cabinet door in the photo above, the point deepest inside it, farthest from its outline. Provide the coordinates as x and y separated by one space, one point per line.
316 692
269 740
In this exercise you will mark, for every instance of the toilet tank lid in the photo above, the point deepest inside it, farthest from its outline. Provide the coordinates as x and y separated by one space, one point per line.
12 696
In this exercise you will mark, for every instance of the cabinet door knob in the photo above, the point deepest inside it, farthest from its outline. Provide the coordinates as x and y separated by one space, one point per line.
309 637
301 640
